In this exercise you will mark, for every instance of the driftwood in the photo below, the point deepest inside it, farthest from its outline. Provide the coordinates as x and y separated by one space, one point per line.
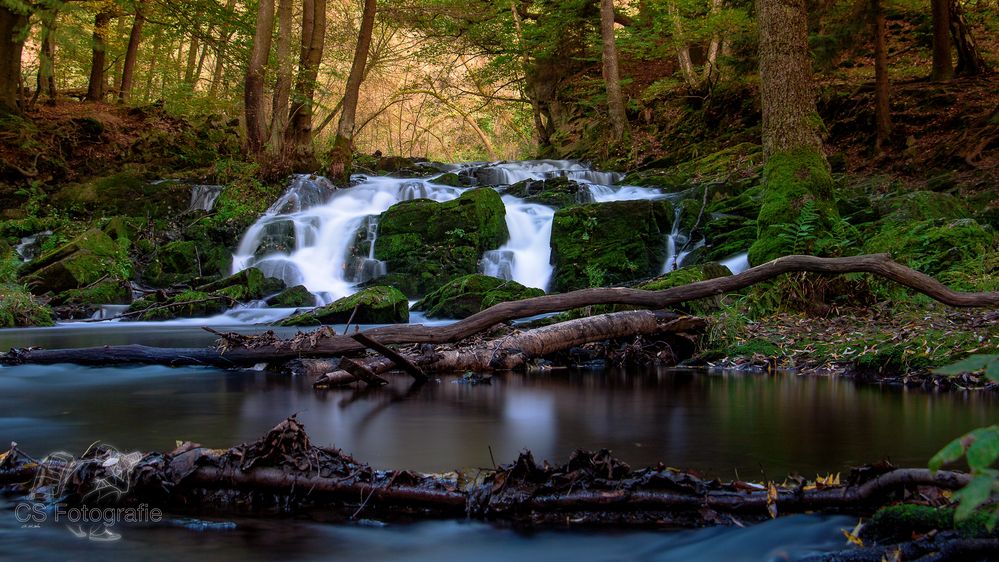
512 352
284 470
330 344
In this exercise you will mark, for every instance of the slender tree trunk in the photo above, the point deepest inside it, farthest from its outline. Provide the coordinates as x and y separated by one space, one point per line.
612 80
157 47
282 87
299 132
192 58
131 54
220 52
116 65
969 59
46 62
882 109
943 69
711 70
97 86
253 95
343 144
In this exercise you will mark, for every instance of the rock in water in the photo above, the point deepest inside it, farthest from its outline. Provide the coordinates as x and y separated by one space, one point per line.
467 295
375 305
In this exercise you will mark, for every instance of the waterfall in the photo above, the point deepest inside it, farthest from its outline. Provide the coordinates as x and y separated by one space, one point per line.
324 238
29 246
203 197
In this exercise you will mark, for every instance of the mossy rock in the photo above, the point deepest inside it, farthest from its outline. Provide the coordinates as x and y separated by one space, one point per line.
189 304
921 205
292 297
126 194
425 243
604 244
933 247
554 192
375 305
467 295
81 262
172 263
19 309
746 158
450 179
248 284
727 235
105 292
686 276
793 182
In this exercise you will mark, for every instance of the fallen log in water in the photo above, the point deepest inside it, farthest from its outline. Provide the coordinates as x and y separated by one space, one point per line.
284 471
325 343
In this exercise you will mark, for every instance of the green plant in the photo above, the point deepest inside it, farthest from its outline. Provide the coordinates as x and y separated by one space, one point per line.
801 234
595 275
979 447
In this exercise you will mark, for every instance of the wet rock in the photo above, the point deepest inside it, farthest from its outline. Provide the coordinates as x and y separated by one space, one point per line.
189 304
467 295
374 305
554 192
686 276
126 194
425 243
292 297
249 284
172 263
608 243
922 205
86 259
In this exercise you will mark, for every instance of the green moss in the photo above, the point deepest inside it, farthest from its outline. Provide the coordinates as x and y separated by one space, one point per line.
686 276
901 522
292 297
248 284
920 206
105 292
792 180
738 160
425 243
608 243
374 305
554 192
935 247
467 295
172 263
86 259
452 179
126 194
18 308
189 304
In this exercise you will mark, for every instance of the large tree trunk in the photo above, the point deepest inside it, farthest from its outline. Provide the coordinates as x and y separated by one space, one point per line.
796 172
612 80
326 344
343 144
282 87
12 37
192 58
882 109
132 54
299 133
943 68
97 86
46 61
253 95
969 59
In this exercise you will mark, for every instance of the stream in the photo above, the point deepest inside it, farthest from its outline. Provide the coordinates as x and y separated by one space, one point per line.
722 424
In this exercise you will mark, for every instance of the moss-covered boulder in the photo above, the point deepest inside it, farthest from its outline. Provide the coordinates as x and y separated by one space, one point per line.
798 192
934 247
105 292
189 304
171 263
899 523
686 276
126 194
737 161
606 243
374 305
248 284
554 192
19 308
88 258
467 295
921 205
292 297
426 243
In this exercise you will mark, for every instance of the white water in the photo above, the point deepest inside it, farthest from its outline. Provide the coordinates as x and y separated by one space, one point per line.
203 197
306 237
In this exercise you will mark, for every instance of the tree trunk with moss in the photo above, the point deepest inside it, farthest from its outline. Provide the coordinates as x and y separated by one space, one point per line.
343 144
798 185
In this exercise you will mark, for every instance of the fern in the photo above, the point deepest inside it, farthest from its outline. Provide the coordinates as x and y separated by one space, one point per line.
801 234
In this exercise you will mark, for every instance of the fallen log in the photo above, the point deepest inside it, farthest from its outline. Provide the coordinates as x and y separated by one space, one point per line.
515 350
284 470
327 343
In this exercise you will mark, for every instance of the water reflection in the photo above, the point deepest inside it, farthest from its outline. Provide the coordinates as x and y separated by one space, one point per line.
713 423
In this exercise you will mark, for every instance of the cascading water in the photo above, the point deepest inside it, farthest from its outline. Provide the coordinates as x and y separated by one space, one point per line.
526 257
203 197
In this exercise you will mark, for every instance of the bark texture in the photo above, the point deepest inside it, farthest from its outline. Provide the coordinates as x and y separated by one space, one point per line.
343 144
282 87
882 109
969 59
612 80
253 94
300 132
12 25
943 67
97 85
132 54
790 119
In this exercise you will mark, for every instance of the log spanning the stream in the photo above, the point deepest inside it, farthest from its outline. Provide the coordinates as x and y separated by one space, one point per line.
329 344
284 470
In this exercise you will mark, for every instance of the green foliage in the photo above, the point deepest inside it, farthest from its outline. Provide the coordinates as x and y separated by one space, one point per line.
18 308
800 236
980 447
469 294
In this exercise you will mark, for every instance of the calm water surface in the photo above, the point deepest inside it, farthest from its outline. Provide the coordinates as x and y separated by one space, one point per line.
760 426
